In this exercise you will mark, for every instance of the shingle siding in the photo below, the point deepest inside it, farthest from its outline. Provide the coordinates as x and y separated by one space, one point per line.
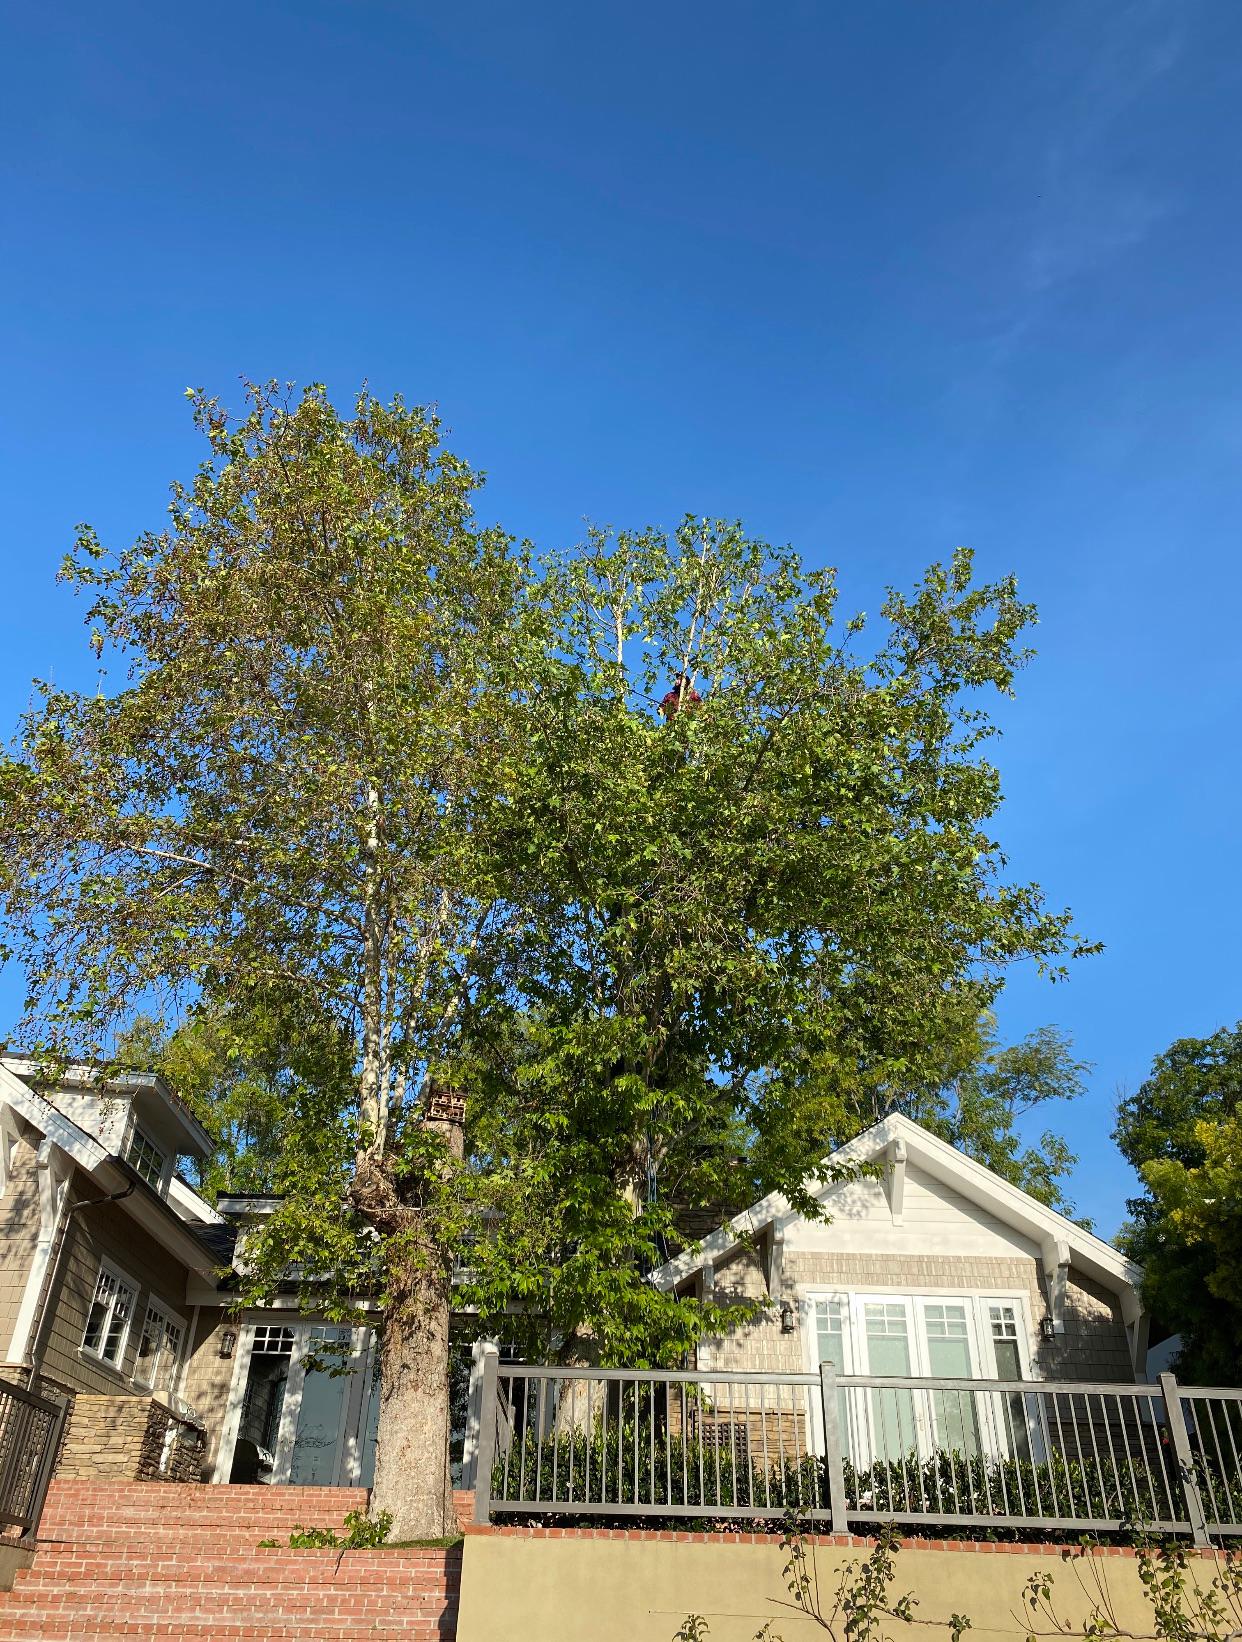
98 1232
1094 1345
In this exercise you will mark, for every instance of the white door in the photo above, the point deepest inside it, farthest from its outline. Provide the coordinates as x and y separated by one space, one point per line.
319 1444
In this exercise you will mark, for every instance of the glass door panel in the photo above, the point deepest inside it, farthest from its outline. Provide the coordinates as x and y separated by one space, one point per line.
830 1347
322 1421
946 1331
887 1328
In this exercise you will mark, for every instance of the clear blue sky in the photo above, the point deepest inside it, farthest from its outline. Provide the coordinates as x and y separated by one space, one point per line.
879 278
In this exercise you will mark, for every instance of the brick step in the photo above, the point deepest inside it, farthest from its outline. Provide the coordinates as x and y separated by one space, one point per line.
67 1557
141 1599
162 1602
111 1576
407 1628
162 1560
118 1618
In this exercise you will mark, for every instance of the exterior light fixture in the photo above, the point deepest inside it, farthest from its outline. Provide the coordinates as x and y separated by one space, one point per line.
1047 1329
789 1317
228 1339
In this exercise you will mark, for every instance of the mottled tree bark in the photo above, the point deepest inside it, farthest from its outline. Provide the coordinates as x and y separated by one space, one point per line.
412 1476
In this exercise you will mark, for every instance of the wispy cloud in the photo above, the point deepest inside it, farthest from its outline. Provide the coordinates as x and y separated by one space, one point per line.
1088 211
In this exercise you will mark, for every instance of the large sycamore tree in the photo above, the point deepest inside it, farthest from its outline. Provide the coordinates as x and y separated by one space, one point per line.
637 848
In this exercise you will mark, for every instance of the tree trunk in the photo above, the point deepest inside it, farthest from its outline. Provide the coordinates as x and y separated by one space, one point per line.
412 1477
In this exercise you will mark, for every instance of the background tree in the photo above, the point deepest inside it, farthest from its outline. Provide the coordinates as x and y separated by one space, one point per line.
1182 1131
243 1077
980 1104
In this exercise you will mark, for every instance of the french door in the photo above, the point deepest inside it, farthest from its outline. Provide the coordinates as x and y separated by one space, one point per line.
902 1337
327 1415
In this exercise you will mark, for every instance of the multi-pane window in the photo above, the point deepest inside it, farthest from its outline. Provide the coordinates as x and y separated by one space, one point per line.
947 1332
830 1316
830 1332
107 1322
888 1354
142 1154
272 1340
1004 1321
159 1350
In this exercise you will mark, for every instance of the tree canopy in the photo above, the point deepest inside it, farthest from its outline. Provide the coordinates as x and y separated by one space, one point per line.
639 846
1182 1131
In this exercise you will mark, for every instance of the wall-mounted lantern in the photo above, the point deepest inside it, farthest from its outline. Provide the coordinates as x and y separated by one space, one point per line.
789 1317
1047 1329
228 1340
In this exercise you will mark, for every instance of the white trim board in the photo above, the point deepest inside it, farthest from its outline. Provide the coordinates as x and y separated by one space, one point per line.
892 1141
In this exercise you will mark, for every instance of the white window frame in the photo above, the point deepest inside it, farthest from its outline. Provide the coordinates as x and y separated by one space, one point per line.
975 1302
166 1316
137 1134
96 1354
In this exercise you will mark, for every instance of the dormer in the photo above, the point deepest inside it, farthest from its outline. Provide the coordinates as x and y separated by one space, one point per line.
135 1115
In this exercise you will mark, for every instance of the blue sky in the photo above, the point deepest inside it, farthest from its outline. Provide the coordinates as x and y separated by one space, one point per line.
878 278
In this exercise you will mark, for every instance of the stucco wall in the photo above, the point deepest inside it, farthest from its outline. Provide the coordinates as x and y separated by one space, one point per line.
522 1589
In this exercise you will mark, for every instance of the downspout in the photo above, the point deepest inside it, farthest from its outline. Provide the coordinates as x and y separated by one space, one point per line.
34 1350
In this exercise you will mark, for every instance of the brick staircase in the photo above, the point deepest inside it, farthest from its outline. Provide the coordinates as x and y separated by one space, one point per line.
173 1560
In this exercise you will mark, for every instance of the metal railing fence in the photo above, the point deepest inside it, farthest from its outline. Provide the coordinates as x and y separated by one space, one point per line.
30 1433
848 1451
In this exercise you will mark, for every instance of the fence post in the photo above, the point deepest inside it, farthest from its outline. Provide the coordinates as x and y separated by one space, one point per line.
833 1460
1185 1460
483 1411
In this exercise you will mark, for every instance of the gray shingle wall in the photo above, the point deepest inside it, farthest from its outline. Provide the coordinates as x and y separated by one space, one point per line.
1093 1346
104 1231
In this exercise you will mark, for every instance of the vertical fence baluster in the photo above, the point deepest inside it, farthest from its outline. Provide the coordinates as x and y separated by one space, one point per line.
1168 1508
540 1385
763 1432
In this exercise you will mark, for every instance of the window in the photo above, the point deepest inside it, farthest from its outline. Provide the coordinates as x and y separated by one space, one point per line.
159 1350
272 1340
954 1414
886 1324
928 1337
142 1154
1003 1321
830 1324
107 1322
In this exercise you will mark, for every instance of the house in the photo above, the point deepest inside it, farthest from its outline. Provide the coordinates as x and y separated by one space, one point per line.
929 1264
118 1288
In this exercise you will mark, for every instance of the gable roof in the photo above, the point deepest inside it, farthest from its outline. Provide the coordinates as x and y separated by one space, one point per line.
895 1137
191 1238
193 1138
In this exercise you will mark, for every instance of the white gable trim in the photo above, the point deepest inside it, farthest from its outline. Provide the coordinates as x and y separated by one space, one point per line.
894 1141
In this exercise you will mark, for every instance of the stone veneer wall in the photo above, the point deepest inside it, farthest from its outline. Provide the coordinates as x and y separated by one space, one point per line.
125 1437
1094 1345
